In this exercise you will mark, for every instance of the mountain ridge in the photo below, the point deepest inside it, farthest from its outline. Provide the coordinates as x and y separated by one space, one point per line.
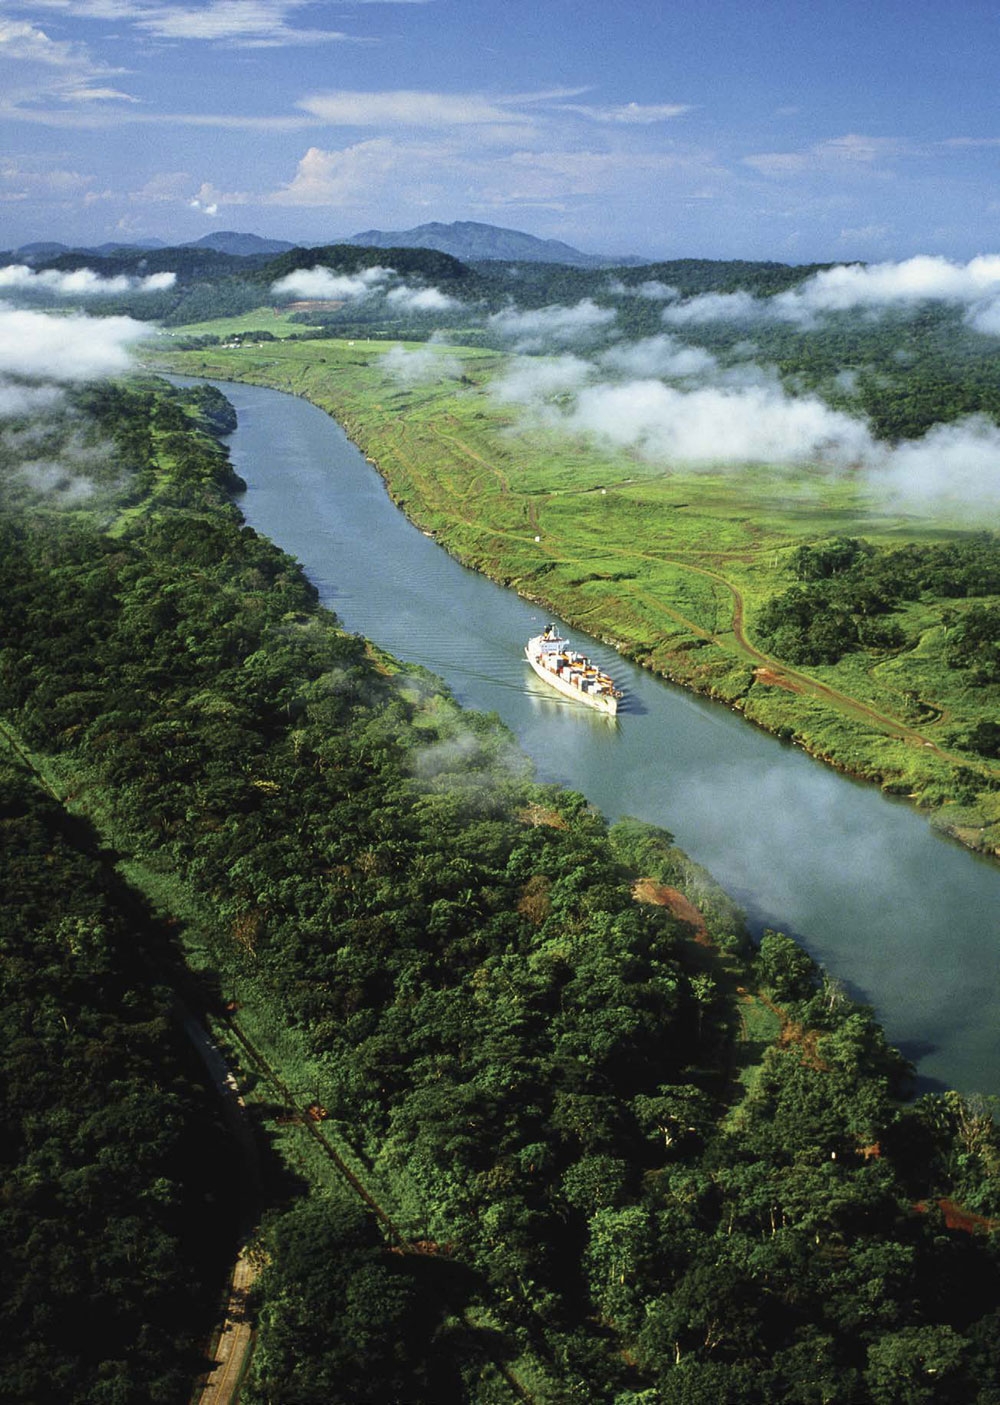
474 242
468 240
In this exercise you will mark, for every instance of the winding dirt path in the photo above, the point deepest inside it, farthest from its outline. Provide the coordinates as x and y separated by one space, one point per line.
799 682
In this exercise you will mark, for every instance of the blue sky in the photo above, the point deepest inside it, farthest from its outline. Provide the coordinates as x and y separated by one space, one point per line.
793 131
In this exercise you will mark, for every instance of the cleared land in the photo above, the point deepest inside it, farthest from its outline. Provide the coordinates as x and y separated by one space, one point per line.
672 566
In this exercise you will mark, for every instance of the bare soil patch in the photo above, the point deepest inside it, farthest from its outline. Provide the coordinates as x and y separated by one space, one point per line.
647 890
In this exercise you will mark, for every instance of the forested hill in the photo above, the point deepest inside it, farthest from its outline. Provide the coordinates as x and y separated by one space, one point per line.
623 1158
216 281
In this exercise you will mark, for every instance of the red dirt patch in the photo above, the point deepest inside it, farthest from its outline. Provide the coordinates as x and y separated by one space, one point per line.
647 890
795 1036
957 1218
770 679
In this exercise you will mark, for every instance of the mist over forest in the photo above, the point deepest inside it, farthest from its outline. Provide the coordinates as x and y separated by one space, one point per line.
890 369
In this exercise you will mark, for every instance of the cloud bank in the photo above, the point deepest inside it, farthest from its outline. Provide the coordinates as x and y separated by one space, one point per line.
80 282
862 287
66 350
321 284
744 418
421 300
539 328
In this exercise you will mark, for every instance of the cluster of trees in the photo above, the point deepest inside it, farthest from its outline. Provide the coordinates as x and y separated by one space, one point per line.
535 1070
113 1216
848 587
974 644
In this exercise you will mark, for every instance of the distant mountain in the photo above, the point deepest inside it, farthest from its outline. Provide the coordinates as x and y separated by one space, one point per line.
227 241
472 242
123 247
464 239
44 252
38 253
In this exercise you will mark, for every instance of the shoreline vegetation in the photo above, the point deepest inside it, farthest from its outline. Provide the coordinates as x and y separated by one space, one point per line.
686 574
608 1150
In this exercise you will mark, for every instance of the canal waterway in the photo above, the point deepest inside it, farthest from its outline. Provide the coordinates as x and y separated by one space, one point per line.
909 921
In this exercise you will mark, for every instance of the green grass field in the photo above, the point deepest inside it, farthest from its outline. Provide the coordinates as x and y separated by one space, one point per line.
669 565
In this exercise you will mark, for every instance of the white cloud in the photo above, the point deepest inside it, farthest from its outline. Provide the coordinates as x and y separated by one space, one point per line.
534 382
421 300
347 177
538 328
527 175
250 23
659 356
37 70
656 291
848 287
408 108
94 9
853 151
67 348
650 288
91 94
954 468
777 163
22 183
716 307
26 43
81 282
631 113
422 364
717 425
322 283
57 480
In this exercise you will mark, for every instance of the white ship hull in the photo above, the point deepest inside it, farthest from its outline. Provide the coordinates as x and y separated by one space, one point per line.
571 674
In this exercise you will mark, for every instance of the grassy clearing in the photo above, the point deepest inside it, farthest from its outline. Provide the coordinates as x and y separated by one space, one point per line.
760 1025
264 318
671 566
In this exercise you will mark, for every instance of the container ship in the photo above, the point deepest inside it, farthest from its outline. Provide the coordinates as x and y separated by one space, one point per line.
572 674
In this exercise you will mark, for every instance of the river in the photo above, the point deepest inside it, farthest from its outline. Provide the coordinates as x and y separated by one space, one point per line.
908 920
